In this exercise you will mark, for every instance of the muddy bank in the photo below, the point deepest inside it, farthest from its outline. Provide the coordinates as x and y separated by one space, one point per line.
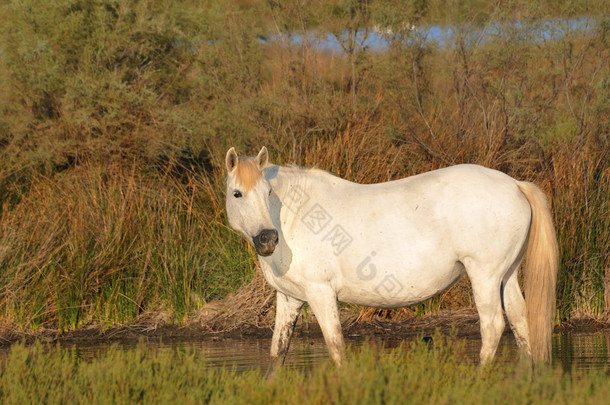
249 313
462 323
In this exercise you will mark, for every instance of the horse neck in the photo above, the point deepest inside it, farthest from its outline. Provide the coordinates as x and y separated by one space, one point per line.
289 182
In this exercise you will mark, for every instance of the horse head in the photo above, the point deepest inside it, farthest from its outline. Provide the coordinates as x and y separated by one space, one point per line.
247 200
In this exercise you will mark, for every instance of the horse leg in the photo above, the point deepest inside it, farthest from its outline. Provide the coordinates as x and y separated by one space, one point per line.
323 302
514 306
486 291
287 311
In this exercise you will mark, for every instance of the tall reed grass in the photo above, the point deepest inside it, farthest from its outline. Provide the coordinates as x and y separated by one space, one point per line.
104 244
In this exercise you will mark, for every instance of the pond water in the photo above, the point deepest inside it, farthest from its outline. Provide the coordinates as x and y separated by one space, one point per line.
378 38
571 350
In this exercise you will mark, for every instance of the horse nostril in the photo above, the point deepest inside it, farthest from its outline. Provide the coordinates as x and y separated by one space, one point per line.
266 241
267 237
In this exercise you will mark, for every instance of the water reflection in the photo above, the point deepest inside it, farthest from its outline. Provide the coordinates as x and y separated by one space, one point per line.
573 351
581 351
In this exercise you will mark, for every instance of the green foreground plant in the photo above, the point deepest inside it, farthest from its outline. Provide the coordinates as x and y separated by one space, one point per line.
408 374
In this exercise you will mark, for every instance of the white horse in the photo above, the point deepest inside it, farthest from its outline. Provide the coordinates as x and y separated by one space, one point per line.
321 239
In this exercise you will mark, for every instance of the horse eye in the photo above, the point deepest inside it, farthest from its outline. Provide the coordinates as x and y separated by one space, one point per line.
237 194
270 191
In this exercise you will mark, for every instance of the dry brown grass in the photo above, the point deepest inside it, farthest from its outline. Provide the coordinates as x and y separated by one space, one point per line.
251 306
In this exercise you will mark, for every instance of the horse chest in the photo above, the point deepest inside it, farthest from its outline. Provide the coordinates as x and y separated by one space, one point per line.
282 280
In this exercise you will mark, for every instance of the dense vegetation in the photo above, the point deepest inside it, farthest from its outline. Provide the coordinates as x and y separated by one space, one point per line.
408 374
115 116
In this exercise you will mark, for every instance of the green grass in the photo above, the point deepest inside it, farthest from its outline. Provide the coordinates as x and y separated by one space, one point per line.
408 374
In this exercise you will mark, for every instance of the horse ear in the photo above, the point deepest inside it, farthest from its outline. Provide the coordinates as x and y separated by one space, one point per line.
262 159
231 159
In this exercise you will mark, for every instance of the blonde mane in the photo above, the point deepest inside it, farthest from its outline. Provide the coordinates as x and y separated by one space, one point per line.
247 173
312 170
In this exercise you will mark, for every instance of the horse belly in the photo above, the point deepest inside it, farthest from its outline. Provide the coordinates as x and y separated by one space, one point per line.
374 283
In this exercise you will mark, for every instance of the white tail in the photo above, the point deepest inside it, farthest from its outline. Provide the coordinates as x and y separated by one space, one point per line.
541 263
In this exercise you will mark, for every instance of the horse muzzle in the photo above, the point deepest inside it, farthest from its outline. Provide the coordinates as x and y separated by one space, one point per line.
265 242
